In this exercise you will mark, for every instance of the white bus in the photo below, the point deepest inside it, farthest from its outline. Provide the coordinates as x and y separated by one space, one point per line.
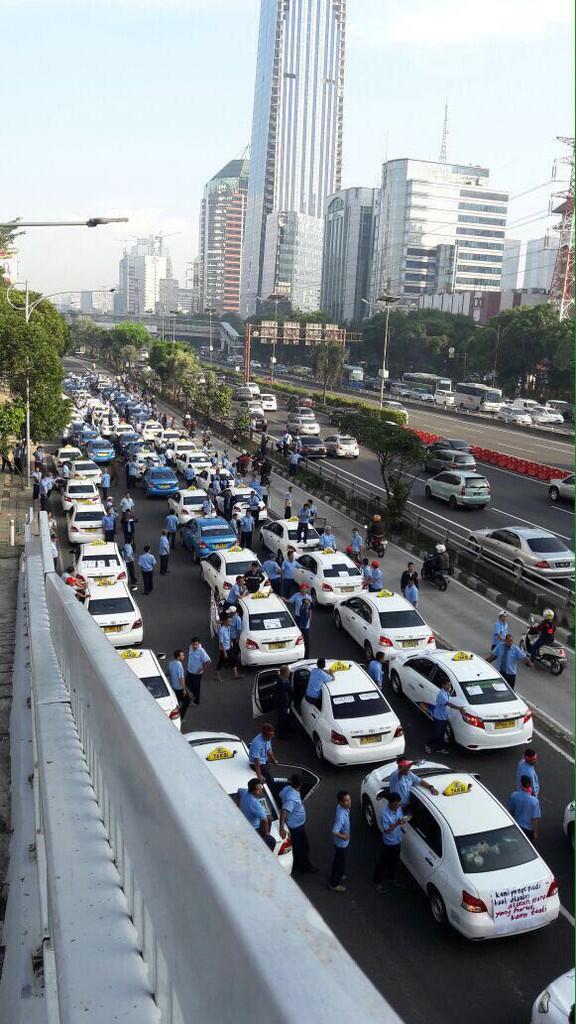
353 376
427 382
478 397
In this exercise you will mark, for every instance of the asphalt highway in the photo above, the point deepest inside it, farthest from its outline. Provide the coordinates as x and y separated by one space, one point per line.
429 975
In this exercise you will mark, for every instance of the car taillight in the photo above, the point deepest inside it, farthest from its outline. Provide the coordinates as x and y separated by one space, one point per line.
326 586
385 641
137 624
527 717
80 578
74 529
338 739
462 489
175 713
202 544
472 720
552 889
285 847
300 639
542 565
251 645
431 639
121 576
399 731
473 904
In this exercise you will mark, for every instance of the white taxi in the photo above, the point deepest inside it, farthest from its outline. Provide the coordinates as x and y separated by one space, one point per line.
331 576
198 460
123 428
151 430
385 622
269 634
67 454
354 725
113 608
85 469
241 501
187 505
555 1005
277 535
146 666
98 560
145 459
204 476
220 569
85 523
167 438
480 873
79 490
489 714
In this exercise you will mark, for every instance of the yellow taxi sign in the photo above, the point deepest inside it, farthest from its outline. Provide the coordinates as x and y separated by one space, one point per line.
384 593
457 788
462 656
328 551
106 581
235 547
97 543
130 653
340 666
293 519
220 754
258 595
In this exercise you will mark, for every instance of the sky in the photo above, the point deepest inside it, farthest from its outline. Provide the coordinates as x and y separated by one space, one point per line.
127 107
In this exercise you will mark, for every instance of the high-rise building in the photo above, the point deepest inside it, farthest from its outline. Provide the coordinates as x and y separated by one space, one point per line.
440 227
222 217
296 149
540 260
347 256
140 271
511 260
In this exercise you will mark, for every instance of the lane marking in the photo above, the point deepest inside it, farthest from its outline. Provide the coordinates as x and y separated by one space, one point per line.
536 526
558 509
546 739
562 445
566 913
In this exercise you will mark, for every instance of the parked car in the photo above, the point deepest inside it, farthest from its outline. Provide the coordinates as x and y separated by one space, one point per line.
206 534
146 668
160 482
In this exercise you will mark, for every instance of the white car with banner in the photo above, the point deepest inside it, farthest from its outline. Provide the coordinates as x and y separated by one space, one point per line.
331 576
113 608
277 535
269 634
85 522
85 469
99 559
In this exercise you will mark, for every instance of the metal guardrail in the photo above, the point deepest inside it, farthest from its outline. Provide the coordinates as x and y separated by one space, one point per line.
161 904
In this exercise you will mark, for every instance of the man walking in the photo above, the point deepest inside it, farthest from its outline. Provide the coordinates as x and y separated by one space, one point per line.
197 663
409 575
293 814
109 525
131 474
288 503
303 622
164 552
225 652
176 676
105 483
411 593
391 820
500 630
272 570
525 808
341 841
171 528
527 766
437 741
377 581
246 529
356 546
147 563
128 556
507 654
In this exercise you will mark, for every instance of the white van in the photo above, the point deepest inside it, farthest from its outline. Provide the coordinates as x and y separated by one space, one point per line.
526 404
444 398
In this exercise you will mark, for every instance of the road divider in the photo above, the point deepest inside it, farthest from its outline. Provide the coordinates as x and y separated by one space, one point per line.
538 470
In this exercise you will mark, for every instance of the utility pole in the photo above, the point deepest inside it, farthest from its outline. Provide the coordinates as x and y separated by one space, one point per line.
562 287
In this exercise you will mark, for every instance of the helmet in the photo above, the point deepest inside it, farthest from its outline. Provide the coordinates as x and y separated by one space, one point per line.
548 614
376 519
440 548
374 565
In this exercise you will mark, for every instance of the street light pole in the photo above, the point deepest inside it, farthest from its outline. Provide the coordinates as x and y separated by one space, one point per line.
92 222
387 301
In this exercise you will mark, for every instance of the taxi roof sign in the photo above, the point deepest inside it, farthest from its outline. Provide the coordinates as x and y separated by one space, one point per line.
258 595
462 656
457 788
384 593
130 653
328 551
97 543
340 666
220 754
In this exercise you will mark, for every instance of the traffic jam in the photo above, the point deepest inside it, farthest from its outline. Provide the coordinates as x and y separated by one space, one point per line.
258 580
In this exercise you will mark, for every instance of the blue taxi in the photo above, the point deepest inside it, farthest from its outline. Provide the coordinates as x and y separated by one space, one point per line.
160 482
205 535
99 450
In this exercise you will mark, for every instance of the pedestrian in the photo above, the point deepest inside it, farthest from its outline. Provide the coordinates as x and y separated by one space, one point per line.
171 528
254 504
207 507
507 654
318 676
38 456
285 442
304 621
36 481
356 546
18 456
252 803
131 474
260 754
54 549
499 630
437 741
288 568
391 819
411 593
109 525
377 581
303 523
376 669
126 503
297 598
147 563
176 675
327 538
340 841
293 461
225 652
189 474
403 780
293 814
254 578
105 483
197 662
409 575
44 494
367 572
164 552
128 556
283 694
235 623
527 766
288 503
525 808
246 529
272 570
129 528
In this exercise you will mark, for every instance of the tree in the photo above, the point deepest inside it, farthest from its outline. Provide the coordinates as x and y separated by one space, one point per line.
7 238
328 363
242 422
215 399
12 416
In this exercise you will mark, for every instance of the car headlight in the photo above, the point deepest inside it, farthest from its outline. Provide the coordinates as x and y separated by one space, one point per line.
544 1002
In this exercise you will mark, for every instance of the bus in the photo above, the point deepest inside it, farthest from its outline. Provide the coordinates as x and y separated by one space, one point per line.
353 376
478 397
427 383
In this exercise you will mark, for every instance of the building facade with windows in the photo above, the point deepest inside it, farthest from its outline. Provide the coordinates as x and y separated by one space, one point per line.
296 149
347 253
440 227
222 218
540 261
139 274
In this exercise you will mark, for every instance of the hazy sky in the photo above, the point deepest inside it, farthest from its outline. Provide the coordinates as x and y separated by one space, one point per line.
127 107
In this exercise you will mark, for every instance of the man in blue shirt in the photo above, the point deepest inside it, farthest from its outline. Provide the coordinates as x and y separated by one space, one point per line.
391 820
327 539
175 669
105 483
260 753
254 503
236 591
437 741
109 526
293 814
172 528
189 474
226 657
303 621
403 780
147 563
293 460
297 599
500 629
235 624
131 474
525 808
207 507
272 570
128 556
303 522
251 803
376 669
377 581
367 572
246 529
507 654
197 663
318 676
356 545
164 552
527 766
288 567
341 841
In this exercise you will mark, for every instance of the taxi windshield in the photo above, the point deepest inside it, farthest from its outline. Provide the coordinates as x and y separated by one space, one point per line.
156 686
194 499
359 705
270 620
340 569
488 691
492 851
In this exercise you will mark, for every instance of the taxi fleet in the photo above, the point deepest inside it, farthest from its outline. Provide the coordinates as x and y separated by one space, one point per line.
331 576
385 622
145 665
269 634
113 608
220 569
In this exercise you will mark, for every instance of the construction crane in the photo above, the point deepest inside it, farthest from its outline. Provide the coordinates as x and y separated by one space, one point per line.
562 287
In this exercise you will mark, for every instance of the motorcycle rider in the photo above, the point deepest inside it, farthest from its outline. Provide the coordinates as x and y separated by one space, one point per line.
543 633
438 561
375 532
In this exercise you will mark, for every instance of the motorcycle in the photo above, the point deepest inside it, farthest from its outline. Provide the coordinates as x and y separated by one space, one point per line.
439 577
376 543
552 655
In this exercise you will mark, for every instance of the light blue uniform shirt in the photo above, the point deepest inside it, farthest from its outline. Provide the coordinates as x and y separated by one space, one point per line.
376 672
171 522
316 681
377 580
524 807
251 808
507 658
367 573
164 545
235 626
147 561
259 749
176 674
356 543
225 637
128 553
235 592
292 804
440 709
294 459
207 507
296 600
523 768
289 568
108 522
327 540
403 785
246 524
106 479
272 569
254 502
304 515
388 818
197 659
341 824
499 632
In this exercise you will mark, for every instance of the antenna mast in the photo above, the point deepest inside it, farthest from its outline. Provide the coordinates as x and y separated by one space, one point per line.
443 153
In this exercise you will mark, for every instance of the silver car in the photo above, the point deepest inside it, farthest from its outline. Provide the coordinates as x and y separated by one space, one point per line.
538 550
437 460
459 489
342 446
562 488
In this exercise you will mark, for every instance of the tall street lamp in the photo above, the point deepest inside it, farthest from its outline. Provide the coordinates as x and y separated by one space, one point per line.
92 222
276 297
210 310
385 300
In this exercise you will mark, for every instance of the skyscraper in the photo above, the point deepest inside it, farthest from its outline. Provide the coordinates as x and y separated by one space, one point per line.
540 260
222 216
296 148
347 258
139 274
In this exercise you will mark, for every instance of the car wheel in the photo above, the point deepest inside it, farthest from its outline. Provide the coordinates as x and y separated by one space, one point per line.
437 905
554 494
337 620
369 813
369 653
427 491
314 598
318 747
396 683
452 502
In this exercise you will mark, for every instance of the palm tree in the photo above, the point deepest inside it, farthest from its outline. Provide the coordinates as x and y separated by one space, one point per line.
328 363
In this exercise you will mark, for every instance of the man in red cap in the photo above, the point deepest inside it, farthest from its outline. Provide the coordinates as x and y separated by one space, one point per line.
377 581
403 780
